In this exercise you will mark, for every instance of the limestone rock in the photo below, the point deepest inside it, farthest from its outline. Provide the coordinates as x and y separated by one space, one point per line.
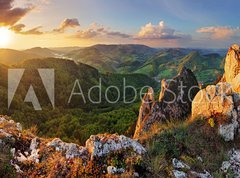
227 131
214 100
179 164
174 102
145 109
221 103
225 166
34 150
113 170
179 174
100 145
232 67
71 150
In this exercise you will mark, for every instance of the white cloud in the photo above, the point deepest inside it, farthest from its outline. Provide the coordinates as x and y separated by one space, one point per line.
97 30
159 31
219 33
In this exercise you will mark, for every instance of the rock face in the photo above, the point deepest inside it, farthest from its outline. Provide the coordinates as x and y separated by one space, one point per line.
232 68
214 100
221 102
55 158
174 102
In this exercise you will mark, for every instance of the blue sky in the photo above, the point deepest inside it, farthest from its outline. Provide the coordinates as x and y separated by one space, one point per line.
184 23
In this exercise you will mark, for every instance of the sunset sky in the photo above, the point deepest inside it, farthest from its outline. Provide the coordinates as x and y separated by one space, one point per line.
157 23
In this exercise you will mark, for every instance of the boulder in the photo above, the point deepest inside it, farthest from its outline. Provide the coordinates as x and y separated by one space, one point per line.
174 102
103 144
71 150
214 100
220 103
111 170
179 164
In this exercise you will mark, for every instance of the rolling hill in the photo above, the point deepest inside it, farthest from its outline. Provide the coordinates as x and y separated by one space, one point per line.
11 57
113 58
167 63
156 63
43 52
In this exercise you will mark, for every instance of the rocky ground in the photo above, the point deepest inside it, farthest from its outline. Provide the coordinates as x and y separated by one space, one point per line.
38 157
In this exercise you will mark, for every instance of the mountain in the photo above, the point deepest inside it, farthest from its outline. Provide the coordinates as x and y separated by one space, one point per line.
113 58
207 67
167 63
11 57
43 52
156 63
67 72
162 64
65 49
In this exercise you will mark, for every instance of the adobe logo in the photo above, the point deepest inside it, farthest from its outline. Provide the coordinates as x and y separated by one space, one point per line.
47 77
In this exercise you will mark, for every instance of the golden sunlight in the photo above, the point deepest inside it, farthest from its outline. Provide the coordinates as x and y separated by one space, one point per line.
5 36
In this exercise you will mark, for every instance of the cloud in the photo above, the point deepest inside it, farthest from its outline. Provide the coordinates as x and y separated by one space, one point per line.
19 30
9 14
219 33
156 32
67 23
97 30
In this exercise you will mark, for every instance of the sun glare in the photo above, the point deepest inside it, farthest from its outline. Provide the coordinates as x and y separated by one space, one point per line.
5 36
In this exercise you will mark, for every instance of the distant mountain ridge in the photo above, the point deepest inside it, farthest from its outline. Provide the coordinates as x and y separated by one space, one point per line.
111 57
130 58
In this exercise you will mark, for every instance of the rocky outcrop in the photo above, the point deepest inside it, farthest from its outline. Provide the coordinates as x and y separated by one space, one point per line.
103 154
221 102
174 102
214 100
232 68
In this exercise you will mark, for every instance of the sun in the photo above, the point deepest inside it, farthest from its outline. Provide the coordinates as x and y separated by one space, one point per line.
5 36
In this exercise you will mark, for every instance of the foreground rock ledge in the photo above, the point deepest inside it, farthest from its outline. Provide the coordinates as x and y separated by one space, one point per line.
34 156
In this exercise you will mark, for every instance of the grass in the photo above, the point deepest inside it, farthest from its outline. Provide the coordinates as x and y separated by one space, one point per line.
6 169
186 141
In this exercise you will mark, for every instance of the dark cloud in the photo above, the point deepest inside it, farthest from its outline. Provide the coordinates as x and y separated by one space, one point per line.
67 23
10 15
19 30
117 34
